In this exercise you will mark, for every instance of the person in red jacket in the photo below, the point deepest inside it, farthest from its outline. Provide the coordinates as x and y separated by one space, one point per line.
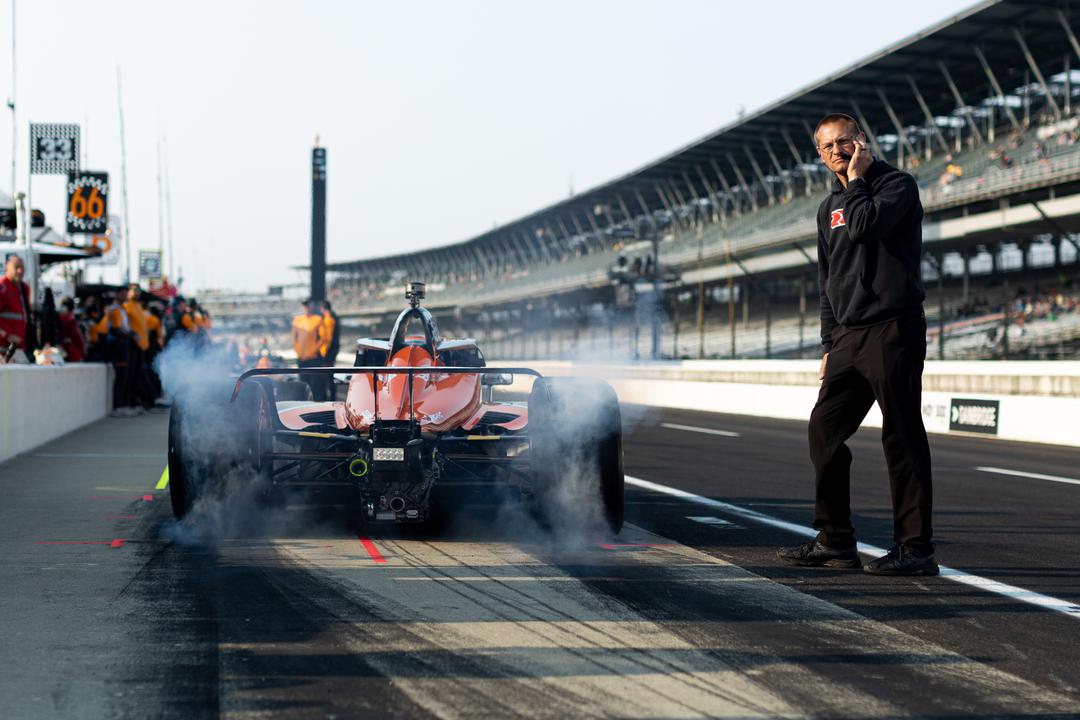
14 304
71 338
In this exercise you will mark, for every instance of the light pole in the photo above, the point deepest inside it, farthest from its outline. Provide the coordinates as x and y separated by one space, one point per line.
11 102
657 304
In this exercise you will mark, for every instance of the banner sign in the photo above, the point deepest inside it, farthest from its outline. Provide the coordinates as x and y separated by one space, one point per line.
978 416
149 264
108 242
54 149
88 203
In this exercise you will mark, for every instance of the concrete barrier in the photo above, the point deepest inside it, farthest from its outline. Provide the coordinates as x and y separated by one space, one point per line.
1027 401
39 404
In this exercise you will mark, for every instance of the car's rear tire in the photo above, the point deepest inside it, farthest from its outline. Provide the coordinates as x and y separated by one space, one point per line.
210 438
255 417
182 489
575 433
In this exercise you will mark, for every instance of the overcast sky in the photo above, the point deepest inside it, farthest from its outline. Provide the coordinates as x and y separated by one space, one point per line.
440 118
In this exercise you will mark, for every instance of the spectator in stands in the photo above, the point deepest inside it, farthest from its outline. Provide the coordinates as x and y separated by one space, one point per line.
71 337
873 331
14 310
308 334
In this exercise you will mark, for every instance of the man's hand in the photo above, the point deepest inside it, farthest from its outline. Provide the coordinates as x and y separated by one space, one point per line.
860 160
821 370
12 338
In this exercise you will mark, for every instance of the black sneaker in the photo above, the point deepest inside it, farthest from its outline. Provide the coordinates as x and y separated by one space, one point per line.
814 554
903 560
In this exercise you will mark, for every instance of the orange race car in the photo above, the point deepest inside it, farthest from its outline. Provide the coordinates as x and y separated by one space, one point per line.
418 427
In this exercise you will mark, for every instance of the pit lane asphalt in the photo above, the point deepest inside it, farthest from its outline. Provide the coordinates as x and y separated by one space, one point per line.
292 617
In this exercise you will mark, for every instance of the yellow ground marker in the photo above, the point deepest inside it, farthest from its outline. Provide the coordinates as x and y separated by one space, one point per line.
164 481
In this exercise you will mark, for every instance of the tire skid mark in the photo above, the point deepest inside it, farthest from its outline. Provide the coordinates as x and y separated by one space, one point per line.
659 665
493 607
341 603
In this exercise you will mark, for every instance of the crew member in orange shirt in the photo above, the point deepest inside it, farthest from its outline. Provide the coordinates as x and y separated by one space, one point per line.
308 334
143 386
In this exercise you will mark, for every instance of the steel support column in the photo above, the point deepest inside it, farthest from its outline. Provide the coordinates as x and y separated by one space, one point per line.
727 187
742 183
598 235
776 165
1069 32
1038 74
996 86
901 133
677 201
960 104
760 175
567 235
867 129
667 202
693 192
714 198
625 210
578 229
934 129
798 159
827 183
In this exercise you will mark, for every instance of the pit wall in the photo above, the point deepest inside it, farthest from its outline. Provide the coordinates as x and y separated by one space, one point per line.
39 404
1025 401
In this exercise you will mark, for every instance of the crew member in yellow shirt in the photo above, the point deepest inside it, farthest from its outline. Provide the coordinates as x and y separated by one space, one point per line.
308 333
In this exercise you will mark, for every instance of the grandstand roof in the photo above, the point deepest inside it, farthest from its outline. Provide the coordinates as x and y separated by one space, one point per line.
1004 32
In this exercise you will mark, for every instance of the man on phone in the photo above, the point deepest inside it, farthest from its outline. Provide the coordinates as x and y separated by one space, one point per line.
873 332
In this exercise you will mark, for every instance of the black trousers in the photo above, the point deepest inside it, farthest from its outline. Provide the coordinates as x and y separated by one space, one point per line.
882 362
316 382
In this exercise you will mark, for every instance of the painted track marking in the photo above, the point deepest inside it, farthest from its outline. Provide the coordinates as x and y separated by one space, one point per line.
114 543
993 586
371 549
707 431
1034 476
163 481
92 456
711 520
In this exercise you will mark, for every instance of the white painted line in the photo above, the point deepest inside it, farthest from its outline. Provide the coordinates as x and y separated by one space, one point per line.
1035 476
707 431
711 520
993 586
95 455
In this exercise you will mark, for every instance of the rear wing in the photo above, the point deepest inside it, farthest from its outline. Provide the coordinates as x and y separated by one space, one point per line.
375 371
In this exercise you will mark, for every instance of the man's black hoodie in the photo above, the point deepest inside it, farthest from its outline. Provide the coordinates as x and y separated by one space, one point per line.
870 250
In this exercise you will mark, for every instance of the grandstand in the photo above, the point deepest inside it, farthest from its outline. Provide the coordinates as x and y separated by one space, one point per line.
981 109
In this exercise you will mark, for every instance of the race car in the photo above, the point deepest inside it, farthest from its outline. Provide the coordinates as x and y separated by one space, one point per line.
418 430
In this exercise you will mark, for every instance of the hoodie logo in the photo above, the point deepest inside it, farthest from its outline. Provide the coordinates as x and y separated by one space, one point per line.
837 219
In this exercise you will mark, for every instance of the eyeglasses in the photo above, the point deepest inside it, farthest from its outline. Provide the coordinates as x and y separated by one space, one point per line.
839 142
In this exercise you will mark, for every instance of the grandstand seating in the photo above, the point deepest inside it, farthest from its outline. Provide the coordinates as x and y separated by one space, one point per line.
711 210
771 225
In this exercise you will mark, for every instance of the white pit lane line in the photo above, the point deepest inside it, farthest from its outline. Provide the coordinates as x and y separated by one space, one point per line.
707 431
1033 476
992 586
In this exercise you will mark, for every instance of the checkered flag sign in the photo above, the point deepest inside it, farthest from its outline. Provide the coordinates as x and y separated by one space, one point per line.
54 148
